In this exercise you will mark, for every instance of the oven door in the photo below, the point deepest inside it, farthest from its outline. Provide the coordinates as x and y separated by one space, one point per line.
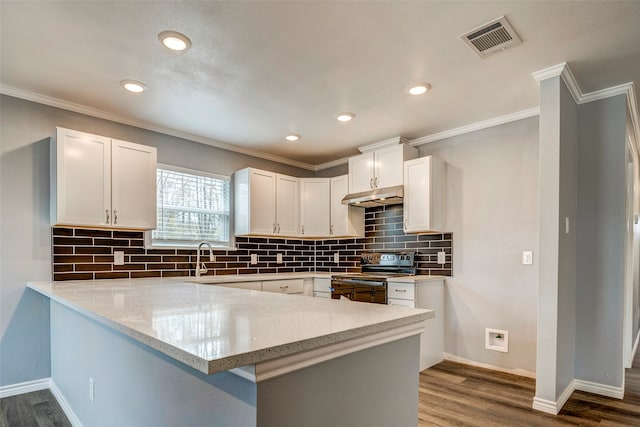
341 288
374 293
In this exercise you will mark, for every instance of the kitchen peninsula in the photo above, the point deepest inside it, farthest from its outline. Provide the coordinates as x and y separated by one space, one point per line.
174 352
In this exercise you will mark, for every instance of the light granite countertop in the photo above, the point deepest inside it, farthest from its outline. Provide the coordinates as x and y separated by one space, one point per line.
417 279
215 329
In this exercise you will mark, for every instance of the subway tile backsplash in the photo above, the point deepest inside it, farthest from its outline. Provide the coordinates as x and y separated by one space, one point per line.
84 254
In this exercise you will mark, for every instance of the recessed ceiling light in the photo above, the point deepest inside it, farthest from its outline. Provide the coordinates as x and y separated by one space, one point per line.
174 40
345 117
133 86
293 137
418 88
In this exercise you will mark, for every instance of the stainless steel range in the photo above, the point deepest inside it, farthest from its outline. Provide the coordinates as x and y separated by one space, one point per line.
371 284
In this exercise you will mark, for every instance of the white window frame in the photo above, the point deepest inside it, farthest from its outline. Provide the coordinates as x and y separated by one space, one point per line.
148 236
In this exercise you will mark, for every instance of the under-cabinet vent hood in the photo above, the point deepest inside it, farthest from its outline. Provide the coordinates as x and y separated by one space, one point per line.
378 197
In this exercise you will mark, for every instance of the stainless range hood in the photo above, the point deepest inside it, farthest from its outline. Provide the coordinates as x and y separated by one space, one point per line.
378 197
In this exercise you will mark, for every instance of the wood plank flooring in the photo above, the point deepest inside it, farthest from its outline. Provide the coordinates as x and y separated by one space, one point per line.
36 409
453 394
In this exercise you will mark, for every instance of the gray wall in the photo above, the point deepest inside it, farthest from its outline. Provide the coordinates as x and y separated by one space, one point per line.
24 216
334 171
601 241
492 210
558 201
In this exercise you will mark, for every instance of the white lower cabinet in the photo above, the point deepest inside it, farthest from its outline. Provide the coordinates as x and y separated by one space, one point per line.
288 286
322 287
253 286
428 294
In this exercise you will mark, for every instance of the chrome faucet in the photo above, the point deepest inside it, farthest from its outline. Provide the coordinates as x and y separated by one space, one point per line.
203 268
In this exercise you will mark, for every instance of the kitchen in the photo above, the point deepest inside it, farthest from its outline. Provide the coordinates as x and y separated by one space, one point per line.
493 206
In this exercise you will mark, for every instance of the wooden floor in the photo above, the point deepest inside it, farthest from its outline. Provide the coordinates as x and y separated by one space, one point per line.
452 394
36 409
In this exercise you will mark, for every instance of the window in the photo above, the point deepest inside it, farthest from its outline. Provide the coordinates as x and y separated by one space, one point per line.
192 206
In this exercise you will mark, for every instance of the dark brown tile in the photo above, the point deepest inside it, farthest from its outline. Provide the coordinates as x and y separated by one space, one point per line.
72 276
175 273
72 259
103 258
425 237
161 251
133 250
59 231
135 242
93 250
113 275
93 233
179 258
160 266
110 242
129 267
61 268
128 234
93 267
145 258
225 271
140 274
62 250
247 271
73 241
440 244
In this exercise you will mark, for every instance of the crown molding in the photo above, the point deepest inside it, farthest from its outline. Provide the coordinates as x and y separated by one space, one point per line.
101 114
628 89
331 164
386 143
496 121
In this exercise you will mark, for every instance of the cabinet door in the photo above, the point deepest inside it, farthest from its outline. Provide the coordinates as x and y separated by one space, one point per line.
262 210
82 187
315 210
424 195
345 220
289 286
361 173
287 206
388 166
133 185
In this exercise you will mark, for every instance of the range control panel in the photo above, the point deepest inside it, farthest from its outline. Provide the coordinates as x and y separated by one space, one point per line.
396 259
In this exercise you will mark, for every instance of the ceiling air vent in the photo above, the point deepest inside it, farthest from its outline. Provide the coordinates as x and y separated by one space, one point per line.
491 37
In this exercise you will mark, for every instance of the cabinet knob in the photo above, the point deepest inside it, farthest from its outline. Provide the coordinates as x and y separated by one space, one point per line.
106 212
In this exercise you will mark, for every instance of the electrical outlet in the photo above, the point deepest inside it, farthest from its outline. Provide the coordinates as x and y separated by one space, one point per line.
92 390
527 257
336 258
278 258
118 257
442 257
254 259
567 226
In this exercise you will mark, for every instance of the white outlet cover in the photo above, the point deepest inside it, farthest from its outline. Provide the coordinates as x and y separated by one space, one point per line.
442 257
118 258
527 257
278 258
254 259
336 258
497 340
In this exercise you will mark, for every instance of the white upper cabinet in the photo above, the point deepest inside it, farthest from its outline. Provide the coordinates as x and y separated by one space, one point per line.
345 220
287 205
97 181
266 203
315 211
424 195
381 167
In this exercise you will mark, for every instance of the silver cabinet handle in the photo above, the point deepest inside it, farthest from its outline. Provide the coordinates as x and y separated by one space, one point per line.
371 183
106 211
274 228
331 230
375 182
278 228
302 229
284 288
405 224
400 290
115 217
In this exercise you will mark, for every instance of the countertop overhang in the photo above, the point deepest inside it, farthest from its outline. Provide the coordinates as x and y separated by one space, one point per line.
215 329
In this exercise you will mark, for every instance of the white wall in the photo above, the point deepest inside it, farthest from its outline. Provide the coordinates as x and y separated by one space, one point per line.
25 248
492 210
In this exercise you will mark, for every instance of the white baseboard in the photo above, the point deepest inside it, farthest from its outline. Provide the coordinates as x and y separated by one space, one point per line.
516 371
601 389
25 387
551 407
66 408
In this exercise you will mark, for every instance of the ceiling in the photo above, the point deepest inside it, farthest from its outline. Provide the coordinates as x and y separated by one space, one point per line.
259 70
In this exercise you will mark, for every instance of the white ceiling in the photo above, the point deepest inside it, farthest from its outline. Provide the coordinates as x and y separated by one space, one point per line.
259 70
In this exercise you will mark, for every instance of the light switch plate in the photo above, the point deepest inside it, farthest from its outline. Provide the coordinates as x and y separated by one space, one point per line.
442 258
278 258
118 257
254 259
527 257
336 258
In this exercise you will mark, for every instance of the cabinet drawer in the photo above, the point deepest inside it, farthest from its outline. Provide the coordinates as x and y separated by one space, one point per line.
290 286
401 290
322 294
322 285
402 302
254 286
